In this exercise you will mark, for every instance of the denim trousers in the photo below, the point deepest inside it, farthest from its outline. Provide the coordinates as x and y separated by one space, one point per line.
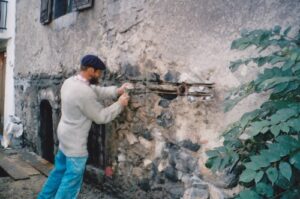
65 180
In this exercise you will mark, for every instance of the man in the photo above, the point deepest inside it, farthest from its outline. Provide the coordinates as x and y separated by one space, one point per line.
80 106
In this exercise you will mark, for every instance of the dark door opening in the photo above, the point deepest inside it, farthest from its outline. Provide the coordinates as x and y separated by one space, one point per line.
96 146
46 131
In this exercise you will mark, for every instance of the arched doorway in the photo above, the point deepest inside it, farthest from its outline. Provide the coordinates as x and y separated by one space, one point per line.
46 131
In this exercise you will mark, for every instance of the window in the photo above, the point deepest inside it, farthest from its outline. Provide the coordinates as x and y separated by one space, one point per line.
61 7
3 14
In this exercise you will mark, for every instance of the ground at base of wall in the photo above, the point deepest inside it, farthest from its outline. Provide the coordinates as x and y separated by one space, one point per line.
29 189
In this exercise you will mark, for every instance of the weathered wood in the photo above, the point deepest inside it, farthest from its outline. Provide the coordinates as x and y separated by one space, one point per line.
37 162
24 165
12 168
179 89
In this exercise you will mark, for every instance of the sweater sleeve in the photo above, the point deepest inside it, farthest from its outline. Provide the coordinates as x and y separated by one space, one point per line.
96 112
109 92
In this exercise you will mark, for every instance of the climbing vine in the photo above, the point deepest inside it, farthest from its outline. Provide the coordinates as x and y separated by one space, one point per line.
265 143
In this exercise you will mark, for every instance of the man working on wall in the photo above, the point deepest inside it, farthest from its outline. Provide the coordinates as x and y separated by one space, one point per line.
79 107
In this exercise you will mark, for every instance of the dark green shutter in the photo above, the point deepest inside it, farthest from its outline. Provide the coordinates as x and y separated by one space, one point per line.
60 8
82 4
46 11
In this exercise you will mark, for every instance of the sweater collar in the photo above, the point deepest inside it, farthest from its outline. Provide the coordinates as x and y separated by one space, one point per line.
80 78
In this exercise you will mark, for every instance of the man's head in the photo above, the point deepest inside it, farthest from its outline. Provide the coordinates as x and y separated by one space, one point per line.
92 67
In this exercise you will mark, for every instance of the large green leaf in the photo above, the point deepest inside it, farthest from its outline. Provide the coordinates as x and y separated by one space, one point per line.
272 174
268 73
270 83
209 163
264 189
285 170
275 59
294 124
295 160
271 155
292 87
241 43
288 141
287 65
212 153
235 65
282 115
232 132
284 127
260 160
216 164
291 194
238 94
295 55
279 149
275 130
224 163
296 67
280 87
276 29
252 166
247 175
258 176
249 194
257 127
260 61
247 117
282 182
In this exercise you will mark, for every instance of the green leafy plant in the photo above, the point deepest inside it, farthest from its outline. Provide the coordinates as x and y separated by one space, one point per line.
265 143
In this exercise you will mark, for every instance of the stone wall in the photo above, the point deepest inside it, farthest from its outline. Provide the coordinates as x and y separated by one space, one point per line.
31 90
157 145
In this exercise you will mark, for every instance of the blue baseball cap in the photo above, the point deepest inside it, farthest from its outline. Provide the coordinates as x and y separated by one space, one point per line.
93 61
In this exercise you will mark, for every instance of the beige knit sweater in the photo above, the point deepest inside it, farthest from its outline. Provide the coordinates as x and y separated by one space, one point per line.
80 106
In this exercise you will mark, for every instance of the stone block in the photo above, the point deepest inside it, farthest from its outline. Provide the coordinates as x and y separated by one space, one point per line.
147 144
131 138
162 165
147 162
137 172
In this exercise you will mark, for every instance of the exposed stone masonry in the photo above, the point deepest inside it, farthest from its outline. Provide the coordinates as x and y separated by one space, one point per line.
148 157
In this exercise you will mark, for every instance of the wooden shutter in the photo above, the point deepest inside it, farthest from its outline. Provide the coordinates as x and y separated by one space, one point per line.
60 8
82 4
46 11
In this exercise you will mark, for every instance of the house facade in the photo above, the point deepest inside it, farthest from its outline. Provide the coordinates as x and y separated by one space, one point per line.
156 148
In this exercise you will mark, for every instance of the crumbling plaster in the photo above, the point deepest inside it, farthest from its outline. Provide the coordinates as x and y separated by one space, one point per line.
190 37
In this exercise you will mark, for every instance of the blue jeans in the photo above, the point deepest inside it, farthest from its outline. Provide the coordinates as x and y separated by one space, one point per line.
65 180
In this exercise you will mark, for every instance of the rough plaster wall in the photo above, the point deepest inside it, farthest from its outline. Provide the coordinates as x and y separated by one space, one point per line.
191 37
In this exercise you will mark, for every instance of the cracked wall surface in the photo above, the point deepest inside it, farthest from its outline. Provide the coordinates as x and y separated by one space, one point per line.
184 40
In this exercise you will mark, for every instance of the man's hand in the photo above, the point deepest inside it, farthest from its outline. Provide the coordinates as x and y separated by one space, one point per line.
123 99
125 86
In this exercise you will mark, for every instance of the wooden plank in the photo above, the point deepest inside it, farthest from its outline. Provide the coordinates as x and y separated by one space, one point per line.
37 162
25 166
11 168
